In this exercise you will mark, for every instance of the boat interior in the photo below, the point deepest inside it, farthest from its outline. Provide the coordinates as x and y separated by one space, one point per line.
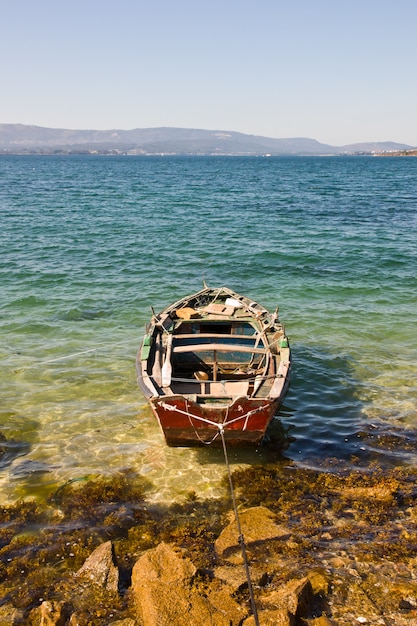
213 358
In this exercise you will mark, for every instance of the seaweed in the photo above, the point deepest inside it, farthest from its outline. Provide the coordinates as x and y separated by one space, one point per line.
370 514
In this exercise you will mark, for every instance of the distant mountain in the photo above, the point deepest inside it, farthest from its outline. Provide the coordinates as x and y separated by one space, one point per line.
24 139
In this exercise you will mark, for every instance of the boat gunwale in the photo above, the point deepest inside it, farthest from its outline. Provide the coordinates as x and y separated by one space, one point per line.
252 311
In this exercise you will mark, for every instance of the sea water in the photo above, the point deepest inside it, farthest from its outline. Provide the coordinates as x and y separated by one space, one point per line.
88 244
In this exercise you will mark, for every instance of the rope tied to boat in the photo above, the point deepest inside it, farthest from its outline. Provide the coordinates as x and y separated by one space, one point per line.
197 434
245 416
241 539
220 432
72 355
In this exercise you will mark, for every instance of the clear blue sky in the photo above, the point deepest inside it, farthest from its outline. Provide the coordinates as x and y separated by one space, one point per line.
339 71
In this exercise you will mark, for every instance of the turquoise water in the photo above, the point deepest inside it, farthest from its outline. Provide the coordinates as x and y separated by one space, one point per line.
88 244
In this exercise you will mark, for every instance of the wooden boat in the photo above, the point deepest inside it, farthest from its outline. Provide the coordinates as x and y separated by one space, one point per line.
213 363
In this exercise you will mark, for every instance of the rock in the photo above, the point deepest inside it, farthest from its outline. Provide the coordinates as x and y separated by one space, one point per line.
100 567
320 621
161 582
257 525
234 576
229 611
285 606
406 605
382 492
164 593
279 617
164 564
319 583
10 615
295 597
50 613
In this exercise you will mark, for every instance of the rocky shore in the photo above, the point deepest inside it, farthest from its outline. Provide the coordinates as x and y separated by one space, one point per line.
323 548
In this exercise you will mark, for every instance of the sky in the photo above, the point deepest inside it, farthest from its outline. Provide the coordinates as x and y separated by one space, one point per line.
338 71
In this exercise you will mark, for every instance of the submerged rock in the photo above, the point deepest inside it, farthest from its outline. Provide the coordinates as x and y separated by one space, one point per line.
100 567
11 449
10 615
50 613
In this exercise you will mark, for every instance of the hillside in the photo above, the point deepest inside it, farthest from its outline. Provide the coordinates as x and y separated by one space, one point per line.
25 139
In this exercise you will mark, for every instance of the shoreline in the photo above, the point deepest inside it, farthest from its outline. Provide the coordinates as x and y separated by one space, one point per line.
352 531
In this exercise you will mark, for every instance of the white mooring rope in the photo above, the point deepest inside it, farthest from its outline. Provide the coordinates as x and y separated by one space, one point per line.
240 533
220 432
70 356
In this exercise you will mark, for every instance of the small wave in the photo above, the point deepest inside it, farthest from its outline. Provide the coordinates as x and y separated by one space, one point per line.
76 314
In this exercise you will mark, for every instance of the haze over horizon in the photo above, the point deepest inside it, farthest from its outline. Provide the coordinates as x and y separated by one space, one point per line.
339 73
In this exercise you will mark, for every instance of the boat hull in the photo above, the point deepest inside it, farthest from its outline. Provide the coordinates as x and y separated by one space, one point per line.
186 423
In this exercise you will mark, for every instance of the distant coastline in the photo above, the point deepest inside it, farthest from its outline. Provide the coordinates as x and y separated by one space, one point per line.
109 152
399 153
21 139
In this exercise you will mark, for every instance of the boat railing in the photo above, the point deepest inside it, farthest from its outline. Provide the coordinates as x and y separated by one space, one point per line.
222 347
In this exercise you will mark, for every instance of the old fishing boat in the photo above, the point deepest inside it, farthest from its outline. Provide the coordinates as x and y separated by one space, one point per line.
213 363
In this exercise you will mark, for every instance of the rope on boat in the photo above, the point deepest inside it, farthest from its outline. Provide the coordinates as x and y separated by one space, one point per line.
241 538
245 416
224 380
197 434
220 431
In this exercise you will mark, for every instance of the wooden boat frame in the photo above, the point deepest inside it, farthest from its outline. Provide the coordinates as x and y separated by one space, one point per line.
212 362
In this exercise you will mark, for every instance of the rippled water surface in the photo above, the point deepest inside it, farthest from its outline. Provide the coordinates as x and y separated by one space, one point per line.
88 244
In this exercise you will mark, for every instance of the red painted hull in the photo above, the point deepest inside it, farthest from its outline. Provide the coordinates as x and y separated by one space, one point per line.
186 423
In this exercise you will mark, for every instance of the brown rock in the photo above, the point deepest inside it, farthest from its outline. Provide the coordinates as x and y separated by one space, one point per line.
295 597
100 567
284 606
319 583
229 611
161 581
232 575
257 525
50 613
10 615
278 617
323 620
382 492
163 590
164 564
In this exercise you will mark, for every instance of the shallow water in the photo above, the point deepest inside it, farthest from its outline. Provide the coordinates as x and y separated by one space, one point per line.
88 244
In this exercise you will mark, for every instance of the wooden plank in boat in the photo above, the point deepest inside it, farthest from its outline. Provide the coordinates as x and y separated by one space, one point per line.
219 309
186 313
221 347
